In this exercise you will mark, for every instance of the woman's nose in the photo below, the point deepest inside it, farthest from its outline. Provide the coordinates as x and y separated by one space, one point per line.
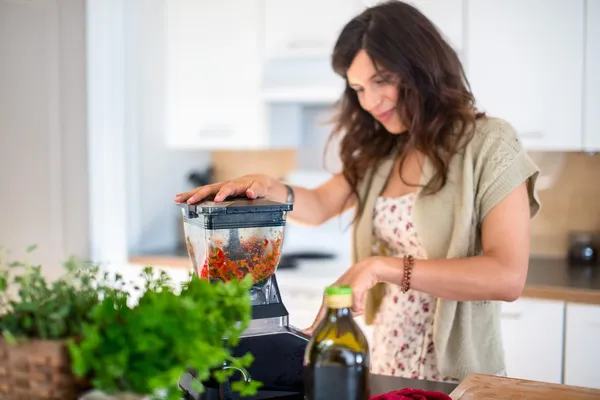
372 100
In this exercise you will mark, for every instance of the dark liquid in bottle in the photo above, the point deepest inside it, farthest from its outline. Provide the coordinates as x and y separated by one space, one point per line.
336 360
337 382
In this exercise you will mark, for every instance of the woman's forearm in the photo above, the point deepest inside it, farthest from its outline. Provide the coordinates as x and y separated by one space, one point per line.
315 206
461 279
308 207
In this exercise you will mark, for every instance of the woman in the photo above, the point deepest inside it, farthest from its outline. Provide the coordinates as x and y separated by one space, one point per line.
443 197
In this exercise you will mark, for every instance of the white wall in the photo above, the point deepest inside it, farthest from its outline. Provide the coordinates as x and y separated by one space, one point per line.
44 182
43 157
155 173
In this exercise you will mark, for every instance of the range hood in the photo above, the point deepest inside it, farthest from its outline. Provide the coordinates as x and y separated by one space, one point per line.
301 80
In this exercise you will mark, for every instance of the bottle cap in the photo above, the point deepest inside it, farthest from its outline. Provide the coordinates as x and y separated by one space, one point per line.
338 297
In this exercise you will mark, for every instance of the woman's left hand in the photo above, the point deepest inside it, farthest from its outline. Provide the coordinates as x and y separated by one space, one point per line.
360 277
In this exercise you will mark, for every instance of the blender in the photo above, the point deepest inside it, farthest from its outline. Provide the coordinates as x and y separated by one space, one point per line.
229 240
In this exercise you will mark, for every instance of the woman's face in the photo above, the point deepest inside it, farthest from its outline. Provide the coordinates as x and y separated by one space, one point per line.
376 90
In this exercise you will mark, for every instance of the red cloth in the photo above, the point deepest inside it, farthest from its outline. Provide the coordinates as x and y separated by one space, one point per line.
411 394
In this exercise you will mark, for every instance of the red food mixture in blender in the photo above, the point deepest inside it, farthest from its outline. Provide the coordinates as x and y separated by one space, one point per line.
261 261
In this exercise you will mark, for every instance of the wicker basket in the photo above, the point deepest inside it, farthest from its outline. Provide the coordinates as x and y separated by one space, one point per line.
37 369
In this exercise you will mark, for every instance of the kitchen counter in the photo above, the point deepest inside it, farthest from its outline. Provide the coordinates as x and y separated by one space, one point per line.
384 384
473 387
554 279
486 387
551 279
379 384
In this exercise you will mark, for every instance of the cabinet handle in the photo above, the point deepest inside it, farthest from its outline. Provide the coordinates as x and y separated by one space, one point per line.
216 131
592 323
510 315
531 135
306 44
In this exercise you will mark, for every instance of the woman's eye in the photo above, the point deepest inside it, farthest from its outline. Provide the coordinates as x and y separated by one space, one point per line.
385 79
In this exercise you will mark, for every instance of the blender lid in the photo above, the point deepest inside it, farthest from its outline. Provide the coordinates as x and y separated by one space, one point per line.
237 206
236 213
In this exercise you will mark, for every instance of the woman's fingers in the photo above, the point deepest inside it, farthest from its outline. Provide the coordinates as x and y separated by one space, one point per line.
309 331
232 188
358 304
256 190
198 194
251 186
203 192
183 197
358 310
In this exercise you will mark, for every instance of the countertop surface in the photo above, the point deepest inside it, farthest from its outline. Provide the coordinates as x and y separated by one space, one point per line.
379 384
552 279
486 387
473 387
555 279
384 384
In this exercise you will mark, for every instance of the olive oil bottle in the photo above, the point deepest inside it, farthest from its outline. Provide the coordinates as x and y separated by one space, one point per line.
336 360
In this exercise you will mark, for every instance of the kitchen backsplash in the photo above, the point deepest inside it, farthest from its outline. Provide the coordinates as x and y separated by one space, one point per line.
231 164
571 204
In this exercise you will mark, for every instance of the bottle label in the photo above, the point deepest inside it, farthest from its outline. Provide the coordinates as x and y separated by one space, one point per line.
338 301
337 382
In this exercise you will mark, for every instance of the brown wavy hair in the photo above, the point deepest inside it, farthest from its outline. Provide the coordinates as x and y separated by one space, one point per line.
435 102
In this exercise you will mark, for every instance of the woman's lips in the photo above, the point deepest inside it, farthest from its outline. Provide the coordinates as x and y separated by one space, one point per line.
384 116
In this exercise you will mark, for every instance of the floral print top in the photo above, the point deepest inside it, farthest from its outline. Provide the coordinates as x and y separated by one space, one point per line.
403 332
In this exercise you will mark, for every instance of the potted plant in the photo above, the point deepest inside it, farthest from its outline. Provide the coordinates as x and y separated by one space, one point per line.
93 330
36 319
141 350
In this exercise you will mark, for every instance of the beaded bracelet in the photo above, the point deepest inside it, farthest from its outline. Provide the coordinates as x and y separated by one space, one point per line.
409 263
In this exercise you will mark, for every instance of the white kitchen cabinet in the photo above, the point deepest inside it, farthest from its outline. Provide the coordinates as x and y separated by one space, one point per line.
213 75
532 334
43 143
295 28
582 345
525 64
592 78
446 15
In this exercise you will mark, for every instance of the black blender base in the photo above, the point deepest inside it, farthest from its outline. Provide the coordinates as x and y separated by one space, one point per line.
223 392
278 359
213 394
277 364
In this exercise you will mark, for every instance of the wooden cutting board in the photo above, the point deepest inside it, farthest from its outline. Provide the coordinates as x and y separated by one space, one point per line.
486 387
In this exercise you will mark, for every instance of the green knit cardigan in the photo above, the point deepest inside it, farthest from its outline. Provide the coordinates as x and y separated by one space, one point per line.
467 335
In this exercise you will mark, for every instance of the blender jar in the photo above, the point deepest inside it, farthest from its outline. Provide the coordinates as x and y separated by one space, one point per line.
232 239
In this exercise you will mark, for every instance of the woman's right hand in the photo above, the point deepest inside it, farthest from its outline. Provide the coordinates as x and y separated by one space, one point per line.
252 186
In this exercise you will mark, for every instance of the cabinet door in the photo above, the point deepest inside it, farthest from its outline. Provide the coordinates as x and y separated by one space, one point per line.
532 334
213 74
304 28
525 64
447 15
582 346
592 78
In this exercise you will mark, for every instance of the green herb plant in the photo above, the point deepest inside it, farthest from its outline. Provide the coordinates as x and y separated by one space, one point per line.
143 349
33 308
122 347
